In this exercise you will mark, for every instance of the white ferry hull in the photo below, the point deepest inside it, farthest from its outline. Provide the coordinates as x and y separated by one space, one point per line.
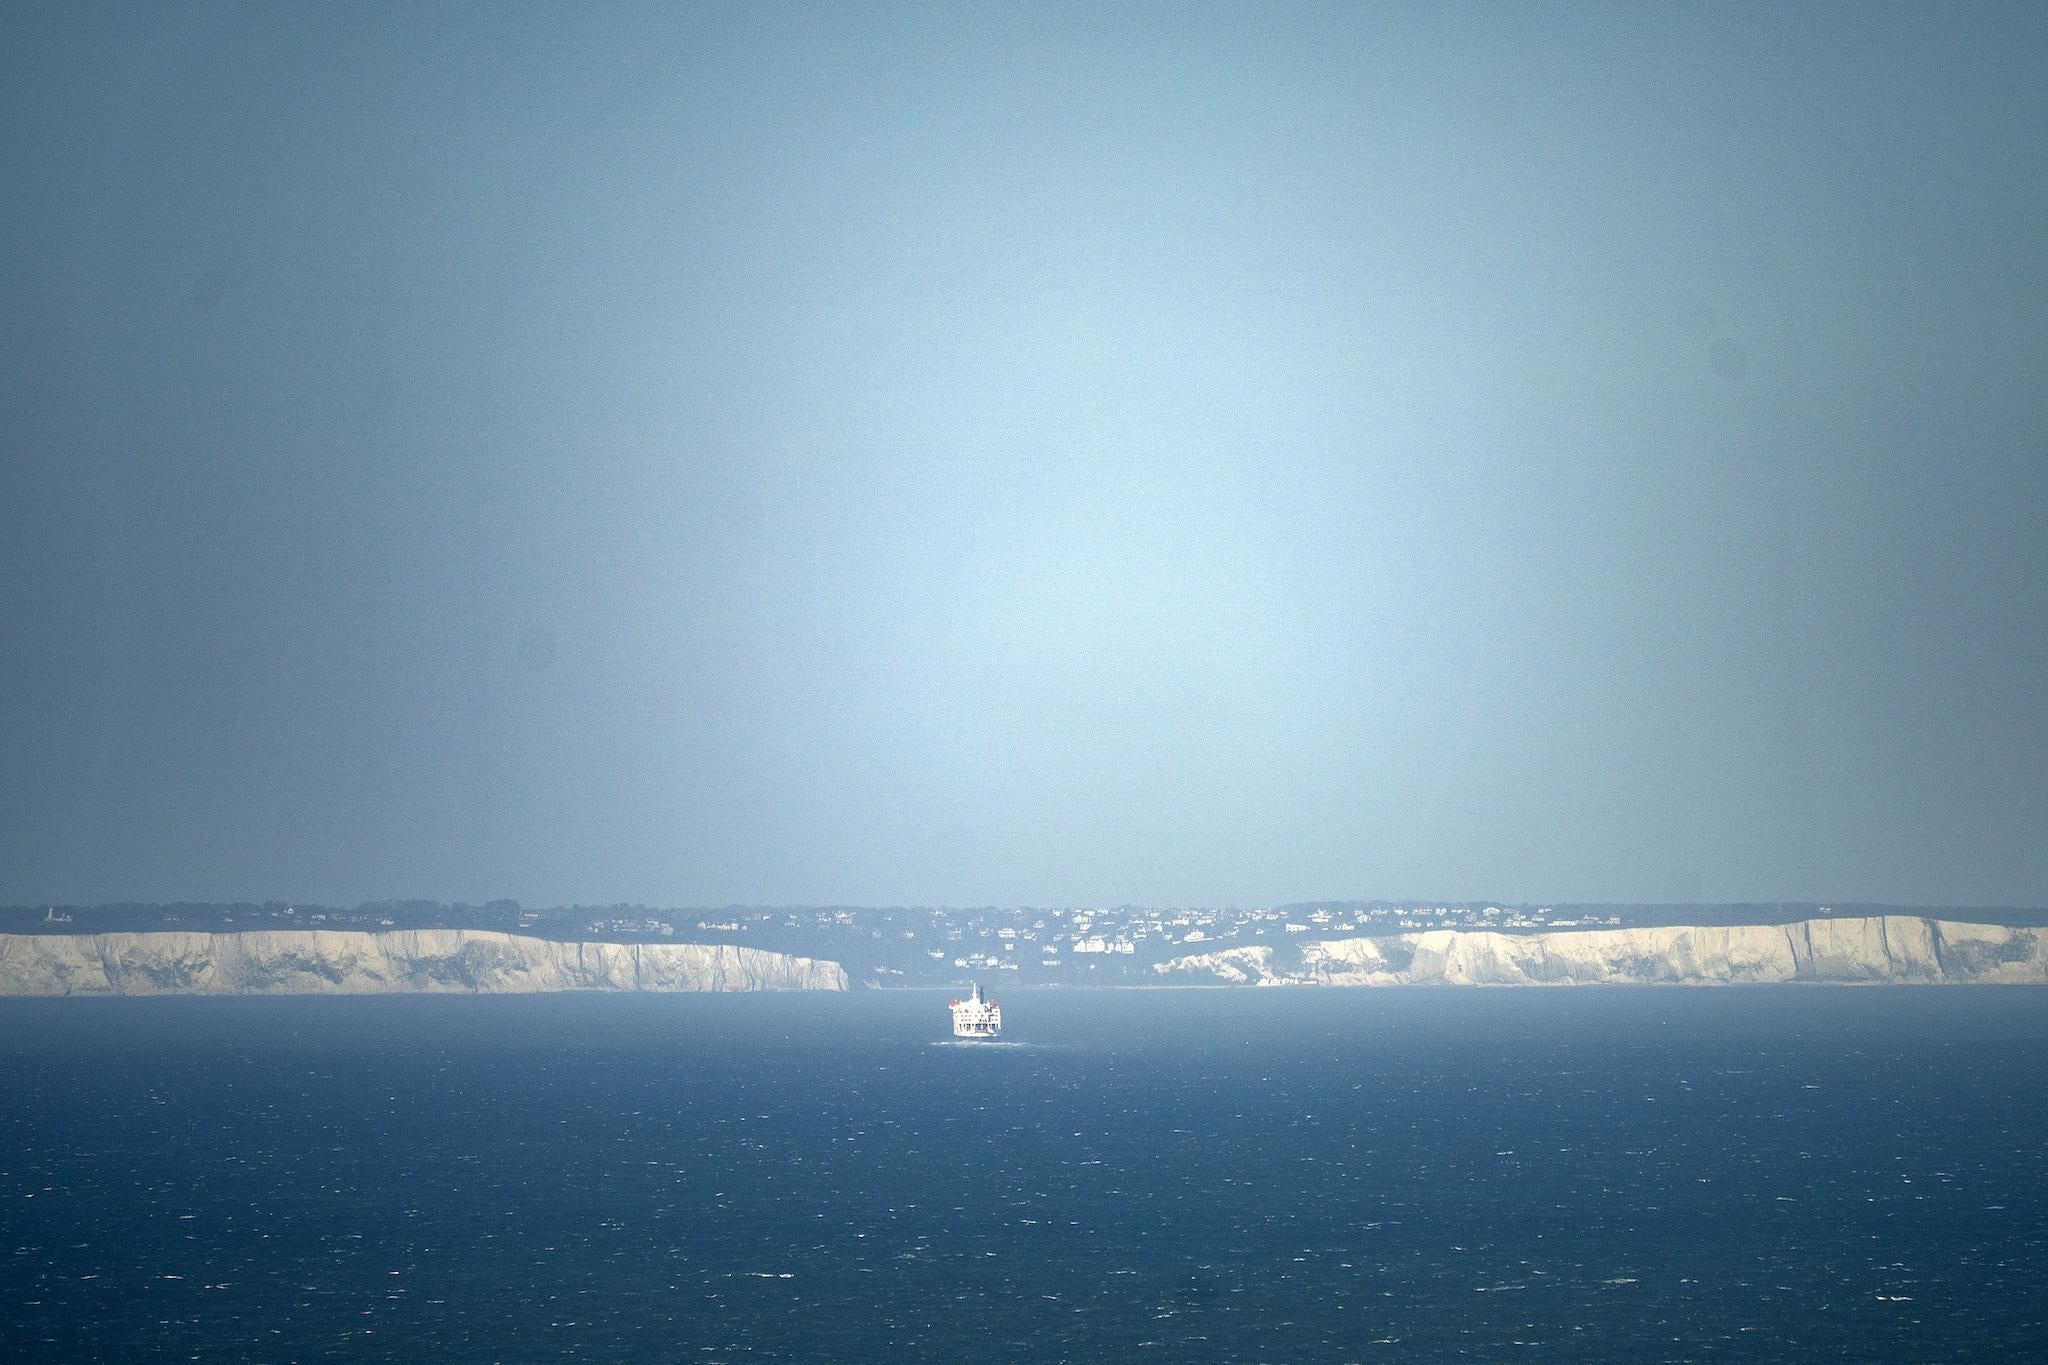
976 1017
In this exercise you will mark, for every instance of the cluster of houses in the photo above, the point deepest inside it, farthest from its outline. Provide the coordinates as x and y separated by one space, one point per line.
1093 943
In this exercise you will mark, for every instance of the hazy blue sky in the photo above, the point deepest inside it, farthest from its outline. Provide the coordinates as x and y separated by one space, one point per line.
1024 454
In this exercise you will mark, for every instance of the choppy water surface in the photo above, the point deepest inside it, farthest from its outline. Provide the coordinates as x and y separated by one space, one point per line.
1285 1176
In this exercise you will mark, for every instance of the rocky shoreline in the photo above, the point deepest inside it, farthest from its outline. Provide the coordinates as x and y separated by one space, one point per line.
1870 949
345 962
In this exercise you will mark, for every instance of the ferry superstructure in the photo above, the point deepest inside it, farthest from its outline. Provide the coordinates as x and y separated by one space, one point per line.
977 1016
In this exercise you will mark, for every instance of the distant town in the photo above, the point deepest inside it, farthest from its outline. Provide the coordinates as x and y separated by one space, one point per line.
931 946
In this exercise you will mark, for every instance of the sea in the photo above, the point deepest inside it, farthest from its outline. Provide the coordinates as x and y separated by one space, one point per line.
1603 1174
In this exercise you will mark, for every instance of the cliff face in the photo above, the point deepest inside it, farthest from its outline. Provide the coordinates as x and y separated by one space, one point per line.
1877 948
321 962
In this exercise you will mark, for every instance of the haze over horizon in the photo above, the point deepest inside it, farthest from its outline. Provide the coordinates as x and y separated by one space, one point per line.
926 455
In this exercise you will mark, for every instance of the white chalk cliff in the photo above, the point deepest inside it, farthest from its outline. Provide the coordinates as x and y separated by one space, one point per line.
337 962
1868 949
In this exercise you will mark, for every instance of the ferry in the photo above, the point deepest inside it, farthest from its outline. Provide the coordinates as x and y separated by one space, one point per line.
977 1016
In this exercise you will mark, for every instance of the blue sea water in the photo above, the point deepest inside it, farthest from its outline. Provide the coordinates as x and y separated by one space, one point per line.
1611 1175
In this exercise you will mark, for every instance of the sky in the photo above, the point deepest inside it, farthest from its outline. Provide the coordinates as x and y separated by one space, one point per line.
1024 455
